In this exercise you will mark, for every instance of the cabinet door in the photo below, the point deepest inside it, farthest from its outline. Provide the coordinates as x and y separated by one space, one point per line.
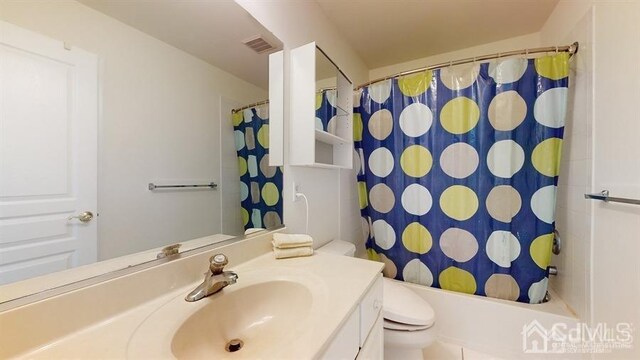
345 345
373 347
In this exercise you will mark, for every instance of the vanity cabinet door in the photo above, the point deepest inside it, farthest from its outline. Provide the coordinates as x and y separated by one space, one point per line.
345 344
370 308
373 347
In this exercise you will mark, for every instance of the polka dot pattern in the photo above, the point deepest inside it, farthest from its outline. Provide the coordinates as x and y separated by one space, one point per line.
458 170
260 184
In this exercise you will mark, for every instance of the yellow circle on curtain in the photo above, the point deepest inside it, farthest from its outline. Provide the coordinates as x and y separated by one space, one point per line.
459 202
455 279
546 157
318 100
416 161
362 194
245 216
242 165
554 67
358 127
270 194
237 118
540 250
416 238
414 85
459 115
263 136
372 255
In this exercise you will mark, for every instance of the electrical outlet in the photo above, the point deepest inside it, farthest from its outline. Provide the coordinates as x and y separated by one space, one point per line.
296 189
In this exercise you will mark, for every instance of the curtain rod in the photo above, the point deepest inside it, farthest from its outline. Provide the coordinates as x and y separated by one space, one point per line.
571 49
263 102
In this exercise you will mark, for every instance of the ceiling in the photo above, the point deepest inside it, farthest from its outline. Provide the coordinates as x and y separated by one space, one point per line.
210 30
386 32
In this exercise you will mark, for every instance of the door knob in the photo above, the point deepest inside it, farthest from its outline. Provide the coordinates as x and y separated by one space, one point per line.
84 217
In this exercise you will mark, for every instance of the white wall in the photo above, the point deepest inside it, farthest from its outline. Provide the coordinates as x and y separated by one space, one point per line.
160 119
330 192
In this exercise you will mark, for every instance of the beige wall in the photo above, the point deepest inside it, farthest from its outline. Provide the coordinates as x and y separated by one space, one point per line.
330 192
160 120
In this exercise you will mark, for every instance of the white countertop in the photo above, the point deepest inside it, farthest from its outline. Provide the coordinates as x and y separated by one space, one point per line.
339 283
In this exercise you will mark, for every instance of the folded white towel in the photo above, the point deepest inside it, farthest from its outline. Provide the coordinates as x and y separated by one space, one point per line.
292 252
286 241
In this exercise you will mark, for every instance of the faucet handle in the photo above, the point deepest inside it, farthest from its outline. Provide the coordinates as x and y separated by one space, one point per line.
217 263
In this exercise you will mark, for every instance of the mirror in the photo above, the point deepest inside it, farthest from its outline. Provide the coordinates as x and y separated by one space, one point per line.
327 106
127 127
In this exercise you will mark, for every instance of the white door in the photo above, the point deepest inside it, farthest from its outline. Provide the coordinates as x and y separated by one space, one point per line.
48 155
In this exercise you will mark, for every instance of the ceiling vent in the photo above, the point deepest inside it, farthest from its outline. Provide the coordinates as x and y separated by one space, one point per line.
258 44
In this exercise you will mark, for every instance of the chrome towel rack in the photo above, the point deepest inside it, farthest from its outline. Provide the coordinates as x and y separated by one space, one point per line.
210 185
604 196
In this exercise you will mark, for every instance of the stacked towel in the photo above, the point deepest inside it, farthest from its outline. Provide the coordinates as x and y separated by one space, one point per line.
292 245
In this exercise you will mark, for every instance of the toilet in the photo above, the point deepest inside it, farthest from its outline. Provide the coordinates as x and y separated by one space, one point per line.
408 318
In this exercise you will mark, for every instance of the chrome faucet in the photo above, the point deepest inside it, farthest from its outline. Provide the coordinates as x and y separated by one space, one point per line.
214 280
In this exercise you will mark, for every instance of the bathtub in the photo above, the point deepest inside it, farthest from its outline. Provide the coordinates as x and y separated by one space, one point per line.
494 326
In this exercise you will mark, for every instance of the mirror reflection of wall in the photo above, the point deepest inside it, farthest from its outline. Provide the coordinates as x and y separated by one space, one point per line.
165 77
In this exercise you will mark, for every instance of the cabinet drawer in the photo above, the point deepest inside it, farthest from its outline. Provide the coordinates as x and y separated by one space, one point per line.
370 308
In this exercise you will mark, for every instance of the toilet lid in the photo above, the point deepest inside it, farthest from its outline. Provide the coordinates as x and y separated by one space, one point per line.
392 325
401 305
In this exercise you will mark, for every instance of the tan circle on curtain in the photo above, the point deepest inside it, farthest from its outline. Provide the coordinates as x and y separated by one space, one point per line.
381 198
366 226
265 169
503 203
390 270
459 160
250 138
507 111
271 219
458 244
502 286
381 124
459 77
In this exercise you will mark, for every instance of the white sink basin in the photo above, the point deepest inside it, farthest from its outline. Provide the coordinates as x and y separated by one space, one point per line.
263 316
266 309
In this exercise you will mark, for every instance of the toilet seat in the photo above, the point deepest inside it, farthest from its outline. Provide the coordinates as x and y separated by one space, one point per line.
403 309
392 325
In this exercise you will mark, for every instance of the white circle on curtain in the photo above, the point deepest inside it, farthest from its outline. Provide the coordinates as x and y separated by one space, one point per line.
543 204
459 77
380 124
505 158
357 165
332 127
458 244
252 165
537 291
416 200
239 140
459 160
248 115
508 70
507 111
263 111
357 95
381 198
416 119
381 162
244 191
502 248
365 229
319 125
417 272
550 107
384 234
380 91
332 97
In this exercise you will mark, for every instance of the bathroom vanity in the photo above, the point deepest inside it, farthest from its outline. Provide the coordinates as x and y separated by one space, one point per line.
298 308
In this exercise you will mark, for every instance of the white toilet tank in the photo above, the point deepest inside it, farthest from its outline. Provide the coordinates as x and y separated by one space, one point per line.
339 247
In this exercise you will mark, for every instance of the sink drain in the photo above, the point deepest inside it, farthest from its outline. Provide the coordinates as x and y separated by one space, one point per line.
234 345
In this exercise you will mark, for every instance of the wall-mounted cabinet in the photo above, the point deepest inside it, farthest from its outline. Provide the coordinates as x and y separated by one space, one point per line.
321 111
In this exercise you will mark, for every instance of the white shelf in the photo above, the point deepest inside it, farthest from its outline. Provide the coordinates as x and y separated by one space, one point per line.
329 138
327 166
